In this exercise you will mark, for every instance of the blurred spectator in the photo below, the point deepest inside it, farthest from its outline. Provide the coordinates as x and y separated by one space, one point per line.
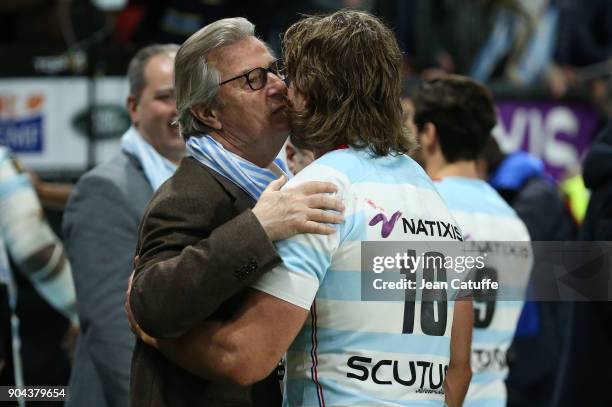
583 53
557 43
534 355
438 36
585 32
101 225
585 366
521 43
38 257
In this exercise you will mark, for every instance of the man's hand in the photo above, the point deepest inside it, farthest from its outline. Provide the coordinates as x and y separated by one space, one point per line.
302 209
69 341
149 340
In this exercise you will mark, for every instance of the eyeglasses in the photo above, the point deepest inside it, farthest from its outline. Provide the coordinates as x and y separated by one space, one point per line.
257 78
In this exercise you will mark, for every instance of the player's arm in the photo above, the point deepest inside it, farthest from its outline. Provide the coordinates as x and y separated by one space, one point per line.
459 370
243 350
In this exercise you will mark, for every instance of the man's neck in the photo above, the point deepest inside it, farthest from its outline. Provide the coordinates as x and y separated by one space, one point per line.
466 169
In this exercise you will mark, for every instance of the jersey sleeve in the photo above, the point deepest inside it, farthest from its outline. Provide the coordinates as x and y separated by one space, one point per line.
306 257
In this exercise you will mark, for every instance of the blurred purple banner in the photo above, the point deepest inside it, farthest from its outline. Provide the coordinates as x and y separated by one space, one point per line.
557 132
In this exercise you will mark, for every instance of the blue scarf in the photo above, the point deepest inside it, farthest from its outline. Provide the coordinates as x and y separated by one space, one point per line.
157 169
246 175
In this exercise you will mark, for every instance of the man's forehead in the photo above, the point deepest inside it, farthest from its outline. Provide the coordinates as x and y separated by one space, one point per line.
159 79
159 64
241 56
164 60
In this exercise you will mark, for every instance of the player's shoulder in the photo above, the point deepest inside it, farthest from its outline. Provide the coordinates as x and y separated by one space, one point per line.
324 169
474 196
362 166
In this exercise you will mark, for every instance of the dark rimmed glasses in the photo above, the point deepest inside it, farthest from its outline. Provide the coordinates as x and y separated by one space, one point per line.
257 78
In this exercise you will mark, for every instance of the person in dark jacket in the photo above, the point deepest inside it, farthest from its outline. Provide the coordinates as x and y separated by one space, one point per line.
585 366
597 172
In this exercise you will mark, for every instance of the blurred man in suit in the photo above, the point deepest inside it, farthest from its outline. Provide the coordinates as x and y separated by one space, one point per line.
101 225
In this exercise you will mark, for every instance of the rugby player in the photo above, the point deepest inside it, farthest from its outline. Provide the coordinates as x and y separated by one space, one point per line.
454 117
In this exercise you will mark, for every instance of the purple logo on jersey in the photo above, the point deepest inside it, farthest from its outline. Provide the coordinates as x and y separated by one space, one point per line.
387 225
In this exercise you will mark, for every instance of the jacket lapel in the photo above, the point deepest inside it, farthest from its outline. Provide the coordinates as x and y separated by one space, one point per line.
242 200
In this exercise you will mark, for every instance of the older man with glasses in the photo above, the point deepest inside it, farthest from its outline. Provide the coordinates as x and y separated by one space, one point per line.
200 243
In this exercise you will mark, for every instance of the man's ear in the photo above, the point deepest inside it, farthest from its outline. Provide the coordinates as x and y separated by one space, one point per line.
131 105
482 169
207 116
429 137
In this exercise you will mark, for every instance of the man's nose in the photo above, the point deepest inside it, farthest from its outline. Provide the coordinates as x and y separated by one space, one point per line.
275 86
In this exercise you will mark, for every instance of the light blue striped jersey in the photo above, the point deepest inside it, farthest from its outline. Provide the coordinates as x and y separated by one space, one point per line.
483 215
352 352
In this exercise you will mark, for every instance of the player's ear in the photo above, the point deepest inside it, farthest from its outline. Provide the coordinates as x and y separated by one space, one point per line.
290 153
131 105
429 136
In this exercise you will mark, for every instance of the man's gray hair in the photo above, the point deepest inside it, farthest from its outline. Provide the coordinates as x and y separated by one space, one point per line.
138 63
196 81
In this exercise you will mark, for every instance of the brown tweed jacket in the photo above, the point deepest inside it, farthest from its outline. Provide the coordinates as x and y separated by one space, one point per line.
200 246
